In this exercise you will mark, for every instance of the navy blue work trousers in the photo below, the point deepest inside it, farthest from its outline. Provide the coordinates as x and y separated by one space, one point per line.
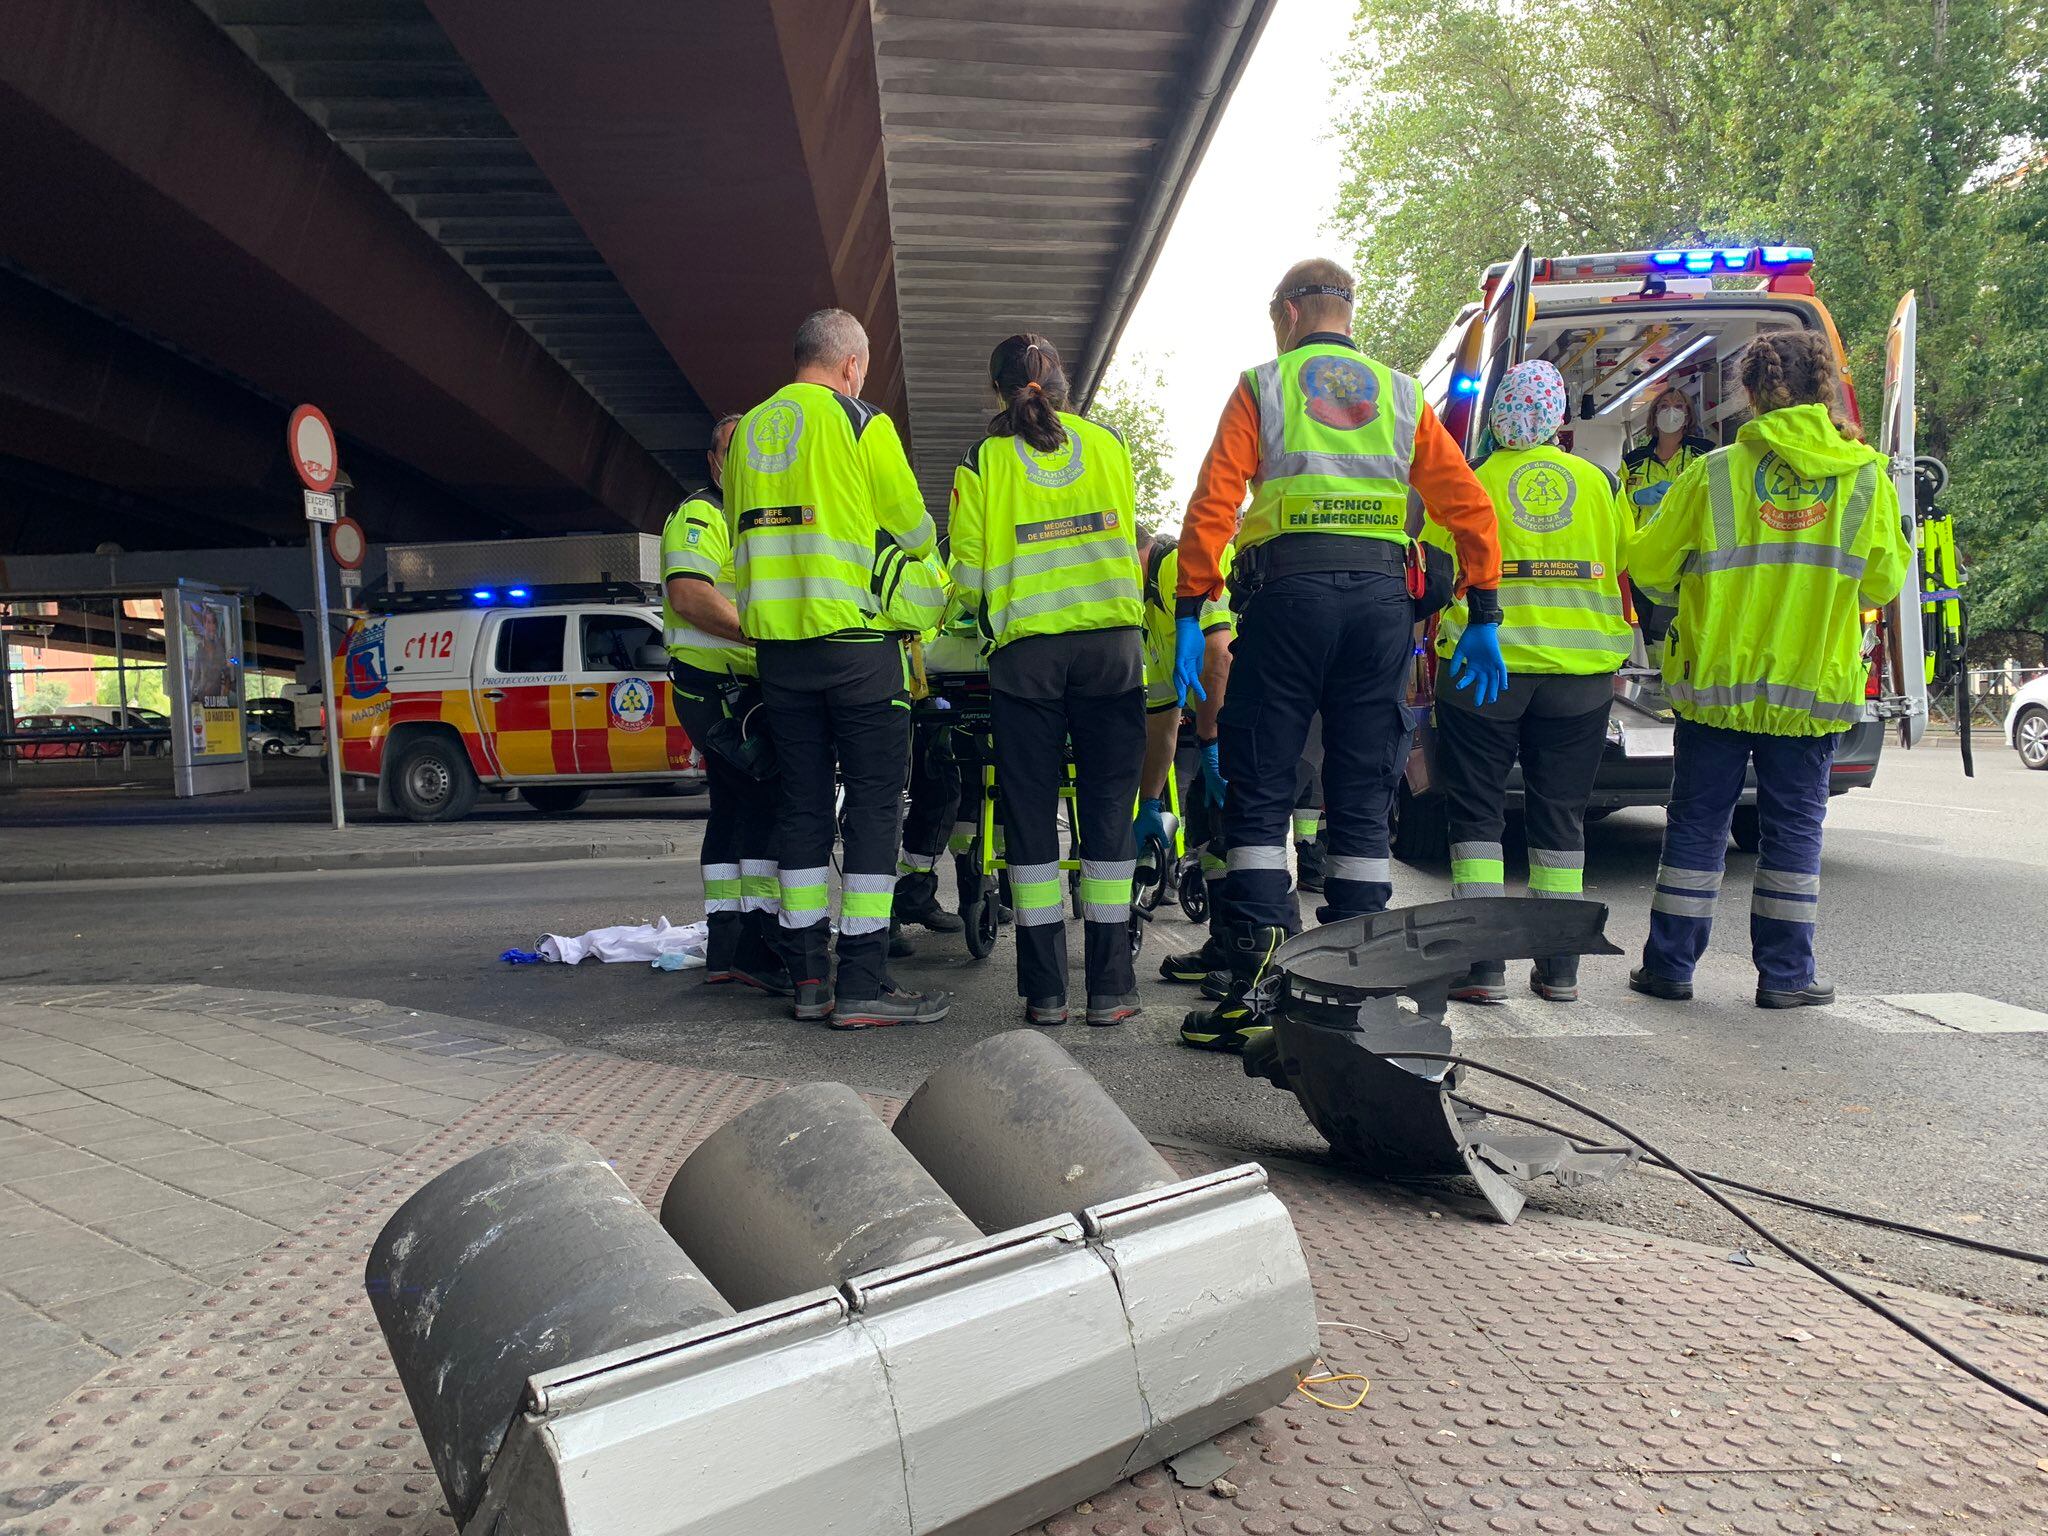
1340 643
1791 802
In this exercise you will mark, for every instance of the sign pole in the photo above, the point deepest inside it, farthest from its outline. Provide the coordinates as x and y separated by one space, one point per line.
316 458
330 714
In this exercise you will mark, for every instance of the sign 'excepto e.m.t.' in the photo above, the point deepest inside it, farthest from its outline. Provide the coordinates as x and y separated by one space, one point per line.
310 441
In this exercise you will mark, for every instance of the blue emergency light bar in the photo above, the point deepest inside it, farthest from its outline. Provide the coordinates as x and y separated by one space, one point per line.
517 594
1774 260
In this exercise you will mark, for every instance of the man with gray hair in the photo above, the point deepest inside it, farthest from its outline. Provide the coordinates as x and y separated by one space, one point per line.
816 485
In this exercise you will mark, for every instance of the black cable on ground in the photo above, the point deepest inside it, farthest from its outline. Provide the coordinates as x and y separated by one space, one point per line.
1903 1324
1865 1217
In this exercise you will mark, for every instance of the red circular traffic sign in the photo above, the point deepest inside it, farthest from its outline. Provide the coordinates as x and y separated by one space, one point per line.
347 543
310 441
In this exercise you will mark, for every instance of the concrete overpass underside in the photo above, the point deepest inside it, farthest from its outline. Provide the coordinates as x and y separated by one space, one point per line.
523 253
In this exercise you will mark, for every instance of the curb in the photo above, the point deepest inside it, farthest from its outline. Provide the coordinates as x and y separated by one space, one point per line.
61 871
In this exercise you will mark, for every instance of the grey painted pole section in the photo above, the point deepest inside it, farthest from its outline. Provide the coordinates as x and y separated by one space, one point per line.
1016 1130
523 1258
806 1189
322 652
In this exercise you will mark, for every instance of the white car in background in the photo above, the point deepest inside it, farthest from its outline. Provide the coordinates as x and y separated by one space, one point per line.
2026 724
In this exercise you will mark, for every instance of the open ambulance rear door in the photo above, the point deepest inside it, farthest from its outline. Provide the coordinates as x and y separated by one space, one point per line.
1502 334
1902 692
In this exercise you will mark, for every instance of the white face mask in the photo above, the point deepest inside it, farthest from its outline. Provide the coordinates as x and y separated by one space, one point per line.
1670 419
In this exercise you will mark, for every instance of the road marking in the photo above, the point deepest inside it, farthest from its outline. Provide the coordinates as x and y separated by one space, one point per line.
1533 1019
1928 805
1973 1015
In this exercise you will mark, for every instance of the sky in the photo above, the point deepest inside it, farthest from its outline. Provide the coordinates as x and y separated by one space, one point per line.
1258 203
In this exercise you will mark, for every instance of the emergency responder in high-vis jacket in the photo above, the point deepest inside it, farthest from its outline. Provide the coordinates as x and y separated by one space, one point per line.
716 693
1775 544
825 508
1044 544
1331 444
1202 805
1649 472
1564 632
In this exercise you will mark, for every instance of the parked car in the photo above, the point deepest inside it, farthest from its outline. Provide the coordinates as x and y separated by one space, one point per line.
136 718
66 735
271 727
2026 724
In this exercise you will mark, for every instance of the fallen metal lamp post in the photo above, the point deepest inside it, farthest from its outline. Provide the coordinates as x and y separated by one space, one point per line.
905 1365
1356 994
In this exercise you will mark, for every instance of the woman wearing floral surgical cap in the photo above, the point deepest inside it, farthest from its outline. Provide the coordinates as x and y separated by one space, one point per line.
1564 633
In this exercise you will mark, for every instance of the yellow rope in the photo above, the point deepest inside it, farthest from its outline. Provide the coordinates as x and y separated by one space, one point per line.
1330 1378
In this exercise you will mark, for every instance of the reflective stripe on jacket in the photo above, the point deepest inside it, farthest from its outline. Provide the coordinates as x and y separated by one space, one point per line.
1563 541
1046 543
1336 437
1776 545
696 542
810 479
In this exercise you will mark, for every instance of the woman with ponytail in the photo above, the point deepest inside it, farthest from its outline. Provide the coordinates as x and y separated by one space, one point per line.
1044 546
1776 546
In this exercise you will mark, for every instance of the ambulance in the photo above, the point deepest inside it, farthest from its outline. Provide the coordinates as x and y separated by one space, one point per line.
549 690
1622 327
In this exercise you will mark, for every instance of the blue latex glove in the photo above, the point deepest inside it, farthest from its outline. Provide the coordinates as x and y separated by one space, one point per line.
1477 664
1188 648
1212 771
1151 825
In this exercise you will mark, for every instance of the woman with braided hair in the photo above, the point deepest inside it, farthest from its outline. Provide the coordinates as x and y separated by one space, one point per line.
1775 545
1044 548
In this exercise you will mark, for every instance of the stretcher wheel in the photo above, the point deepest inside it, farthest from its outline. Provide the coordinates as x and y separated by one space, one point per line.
1193 892
1147 894
979 919
1137 932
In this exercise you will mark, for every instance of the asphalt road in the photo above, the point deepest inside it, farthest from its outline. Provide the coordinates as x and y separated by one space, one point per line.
1934 883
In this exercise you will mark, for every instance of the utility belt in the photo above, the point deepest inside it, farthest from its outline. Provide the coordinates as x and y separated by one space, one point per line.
736 733
1428 573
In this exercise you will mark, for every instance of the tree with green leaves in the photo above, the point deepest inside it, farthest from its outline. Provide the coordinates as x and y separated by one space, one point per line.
1867 130
2000 494
1128 400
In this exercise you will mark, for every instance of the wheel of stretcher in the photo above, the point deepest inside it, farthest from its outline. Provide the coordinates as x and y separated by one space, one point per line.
1137 932
1193 892
1155 859
979 918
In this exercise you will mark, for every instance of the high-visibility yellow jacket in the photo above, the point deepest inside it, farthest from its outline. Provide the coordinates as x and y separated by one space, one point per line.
696 542
1563 541
1775 546
812 477
1047 543
1161 581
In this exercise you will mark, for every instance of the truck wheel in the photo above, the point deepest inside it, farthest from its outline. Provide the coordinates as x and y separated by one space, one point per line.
2030 735
432 780
553 799
1747 829
1422 827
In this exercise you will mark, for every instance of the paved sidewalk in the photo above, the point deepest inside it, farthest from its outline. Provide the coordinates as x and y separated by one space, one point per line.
152 1143
1555 1376
75 852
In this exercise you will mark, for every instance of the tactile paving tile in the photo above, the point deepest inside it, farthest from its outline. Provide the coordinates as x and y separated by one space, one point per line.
1546 1377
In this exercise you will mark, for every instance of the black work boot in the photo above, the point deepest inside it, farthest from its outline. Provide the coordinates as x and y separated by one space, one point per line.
1646 981
1192 966
917 901
1817 993
894 1006
1486 982
1311 863
900 948
1556 979
1245 1014
814 1001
